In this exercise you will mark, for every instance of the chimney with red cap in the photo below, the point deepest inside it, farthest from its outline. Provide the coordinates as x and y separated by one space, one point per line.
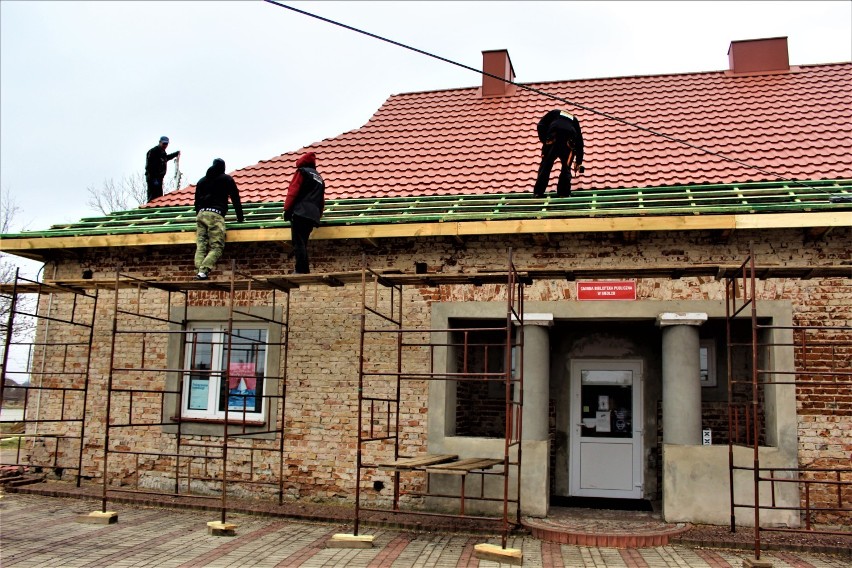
759 55
498 64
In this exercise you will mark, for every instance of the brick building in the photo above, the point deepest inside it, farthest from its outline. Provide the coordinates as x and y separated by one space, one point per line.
628 346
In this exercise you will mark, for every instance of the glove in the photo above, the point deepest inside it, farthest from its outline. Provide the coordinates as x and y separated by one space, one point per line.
288 215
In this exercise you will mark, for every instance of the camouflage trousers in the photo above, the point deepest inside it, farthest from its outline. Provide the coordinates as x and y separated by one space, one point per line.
209 239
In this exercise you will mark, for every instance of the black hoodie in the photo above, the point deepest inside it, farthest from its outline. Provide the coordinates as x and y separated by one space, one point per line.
562 128
213 190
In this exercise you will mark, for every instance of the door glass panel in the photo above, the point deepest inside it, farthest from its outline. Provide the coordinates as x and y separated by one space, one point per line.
606 402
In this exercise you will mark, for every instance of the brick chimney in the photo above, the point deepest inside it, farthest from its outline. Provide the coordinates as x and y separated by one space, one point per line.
759 55
497 63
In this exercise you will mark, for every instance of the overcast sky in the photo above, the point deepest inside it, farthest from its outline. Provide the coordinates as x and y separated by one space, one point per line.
86 88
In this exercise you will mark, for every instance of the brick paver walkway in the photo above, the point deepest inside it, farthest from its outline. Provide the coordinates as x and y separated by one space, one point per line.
38 531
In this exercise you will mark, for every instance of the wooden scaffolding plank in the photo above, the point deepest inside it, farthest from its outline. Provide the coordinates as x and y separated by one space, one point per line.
417 462
464 466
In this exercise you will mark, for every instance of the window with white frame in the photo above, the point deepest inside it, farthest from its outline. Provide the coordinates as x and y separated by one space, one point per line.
224 374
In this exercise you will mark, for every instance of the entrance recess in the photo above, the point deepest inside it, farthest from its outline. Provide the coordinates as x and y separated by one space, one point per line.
605 458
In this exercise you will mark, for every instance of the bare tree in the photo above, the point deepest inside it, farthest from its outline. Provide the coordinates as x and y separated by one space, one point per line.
128 193
8 210
23 327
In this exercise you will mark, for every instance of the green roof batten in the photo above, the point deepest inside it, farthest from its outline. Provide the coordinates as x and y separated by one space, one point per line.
752 197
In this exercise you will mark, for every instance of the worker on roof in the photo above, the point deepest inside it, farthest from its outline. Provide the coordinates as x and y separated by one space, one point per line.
211 205
303 207
561 138
155 167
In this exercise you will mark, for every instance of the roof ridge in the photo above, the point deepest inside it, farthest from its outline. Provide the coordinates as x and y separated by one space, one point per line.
720 72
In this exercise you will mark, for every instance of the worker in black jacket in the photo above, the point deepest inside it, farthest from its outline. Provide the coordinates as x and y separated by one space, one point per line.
304 206
561 138
211 205
155 167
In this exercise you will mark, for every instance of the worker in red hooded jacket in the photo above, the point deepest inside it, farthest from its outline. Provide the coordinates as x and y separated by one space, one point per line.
303 207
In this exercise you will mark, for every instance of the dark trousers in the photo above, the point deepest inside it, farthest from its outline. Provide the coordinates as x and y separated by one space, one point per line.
300 229
549 154
155 188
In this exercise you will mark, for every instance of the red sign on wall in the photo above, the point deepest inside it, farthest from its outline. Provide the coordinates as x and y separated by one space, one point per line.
606 290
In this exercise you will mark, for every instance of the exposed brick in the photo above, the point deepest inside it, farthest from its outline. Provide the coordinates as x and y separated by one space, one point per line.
323 356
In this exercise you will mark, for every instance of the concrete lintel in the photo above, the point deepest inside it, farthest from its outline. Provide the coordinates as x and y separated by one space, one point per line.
494 553
542 319
341 540
681 318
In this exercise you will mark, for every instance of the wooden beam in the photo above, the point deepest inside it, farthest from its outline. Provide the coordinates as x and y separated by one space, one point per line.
35 247
794 220
399 278
333 281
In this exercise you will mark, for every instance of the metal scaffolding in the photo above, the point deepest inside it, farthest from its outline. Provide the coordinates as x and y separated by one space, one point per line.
50 396
145 392
149 393
822 358
392 356
145 385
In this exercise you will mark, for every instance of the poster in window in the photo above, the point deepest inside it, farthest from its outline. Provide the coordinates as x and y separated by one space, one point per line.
242 386
199 390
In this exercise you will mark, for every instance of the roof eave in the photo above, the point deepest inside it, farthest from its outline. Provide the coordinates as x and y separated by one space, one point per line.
39 248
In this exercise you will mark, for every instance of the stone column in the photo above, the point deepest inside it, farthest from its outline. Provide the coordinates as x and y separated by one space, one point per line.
536 375
535 466
681 377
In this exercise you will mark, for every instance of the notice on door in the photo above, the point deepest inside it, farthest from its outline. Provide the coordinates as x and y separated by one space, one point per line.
606 290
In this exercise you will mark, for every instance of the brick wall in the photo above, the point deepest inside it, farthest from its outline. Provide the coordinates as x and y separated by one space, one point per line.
322 374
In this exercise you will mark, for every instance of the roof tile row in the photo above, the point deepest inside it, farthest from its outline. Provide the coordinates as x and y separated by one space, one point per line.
698 128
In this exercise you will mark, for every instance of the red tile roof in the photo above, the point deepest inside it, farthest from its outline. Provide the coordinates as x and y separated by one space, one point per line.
795 124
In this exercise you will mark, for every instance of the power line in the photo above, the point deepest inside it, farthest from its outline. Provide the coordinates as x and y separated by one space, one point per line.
548 95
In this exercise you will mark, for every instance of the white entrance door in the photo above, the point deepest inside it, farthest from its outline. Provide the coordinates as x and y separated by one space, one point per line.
605 458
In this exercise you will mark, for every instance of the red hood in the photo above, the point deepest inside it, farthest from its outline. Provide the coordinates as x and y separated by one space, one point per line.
309 159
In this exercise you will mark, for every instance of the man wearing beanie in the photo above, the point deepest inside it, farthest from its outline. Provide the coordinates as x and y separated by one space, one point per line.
303 207
155 167
211 205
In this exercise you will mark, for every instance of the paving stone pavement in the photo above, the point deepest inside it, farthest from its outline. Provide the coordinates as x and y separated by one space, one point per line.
39 531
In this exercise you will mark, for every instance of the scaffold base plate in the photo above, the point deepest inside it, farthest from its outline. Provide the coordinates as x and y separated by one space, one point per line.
351 541
752 562
99 518
496 553
218 528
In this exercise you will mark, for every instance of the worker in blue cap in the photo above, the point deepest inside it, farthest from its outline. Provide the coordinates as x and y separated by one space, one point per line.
155 167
